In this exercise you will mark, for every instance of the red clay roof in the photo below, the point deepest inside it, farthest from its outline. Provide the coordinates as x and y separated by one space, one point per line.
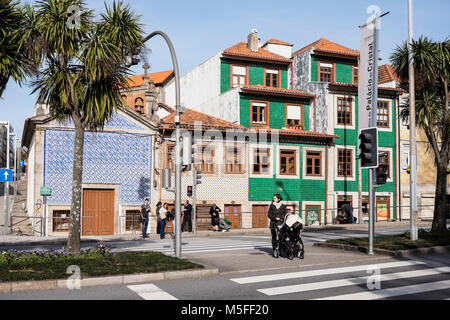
302 133
276 41
386 73
158 78
190 116
281 91
241 50
327 46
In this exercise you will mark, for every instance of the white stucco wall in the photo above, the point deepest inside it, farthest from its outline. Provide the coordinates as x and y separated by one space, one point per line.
224 106
282 50
199 85
30 177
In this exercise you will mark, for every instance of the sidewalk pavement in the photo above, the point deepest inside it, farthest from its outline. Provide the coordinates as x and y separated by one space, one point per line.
12 241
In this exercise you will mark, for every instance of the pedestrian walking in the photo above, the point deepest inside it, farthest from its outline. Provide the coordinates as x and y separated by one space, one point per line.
171 217
187 219
215 217
158 224
162 217
145 211
276 214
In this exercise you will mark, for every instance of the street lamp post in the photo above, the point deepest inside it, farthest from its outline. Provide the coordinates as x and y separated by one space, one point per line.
6 204
177 145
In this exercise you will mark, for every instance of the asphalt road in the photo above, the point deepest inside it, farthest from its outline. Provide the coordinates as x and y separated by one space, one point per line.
367 278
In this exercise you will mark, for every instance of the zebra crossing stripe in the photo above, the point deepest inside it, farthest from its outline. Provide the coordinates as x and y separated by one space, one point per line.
151 292
350 281
321 272
392 292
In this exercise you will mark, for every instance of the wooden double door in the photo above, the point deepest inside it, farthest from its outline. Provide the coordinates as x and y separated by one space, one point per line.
259 216
98 212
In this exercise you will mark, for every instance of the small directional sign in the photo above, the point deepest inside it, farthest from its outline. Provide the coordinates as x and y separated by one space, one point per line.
6 175
21 163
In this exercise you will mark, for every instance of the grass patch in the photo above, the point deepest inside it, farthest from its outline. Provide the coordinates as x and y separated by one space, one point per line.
399 242
50 265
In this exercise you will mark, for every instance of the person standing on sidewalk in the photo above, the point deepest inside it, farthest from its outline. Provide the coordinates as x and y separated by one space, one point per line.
277 212
349 211
145 211
158 224
162 217
187 216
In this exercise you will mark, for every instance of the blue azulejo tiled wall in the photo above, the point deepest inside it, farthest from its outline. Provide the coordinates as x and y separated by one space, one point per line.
109 157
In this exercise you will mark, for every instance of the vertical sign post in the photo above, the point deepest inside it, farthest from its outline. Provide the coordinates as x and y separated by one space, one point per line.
367 100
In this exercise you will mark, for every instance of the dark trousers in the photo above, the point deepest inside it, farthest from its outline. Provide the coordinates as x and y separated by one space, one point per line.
188 220
144 227
158 227
163 229
274 236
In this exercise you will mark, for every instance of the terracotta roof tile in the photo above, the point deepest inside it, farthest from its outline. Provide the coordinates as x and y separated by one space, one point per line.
276 41
386 73
354 86
188 118
281 91
242 50
325 45
158 78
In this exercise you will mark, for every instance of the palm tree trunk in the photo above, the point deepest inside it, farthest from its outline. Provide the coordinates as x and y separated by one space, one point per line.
73 242
440 203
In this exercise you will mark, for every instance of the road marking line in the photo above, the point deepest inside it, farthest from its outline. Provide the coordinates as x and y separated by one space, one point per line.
386 293
151 292
312 273
350 281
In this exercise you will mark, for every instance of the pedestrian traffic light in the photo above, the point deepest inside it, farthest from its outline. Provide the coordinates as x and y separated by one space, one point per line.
381 173
197 177
368 148
189 191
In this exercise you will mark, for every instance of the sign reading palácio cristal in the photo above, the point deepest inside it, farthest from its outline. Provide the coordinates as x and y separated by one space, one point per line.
367 81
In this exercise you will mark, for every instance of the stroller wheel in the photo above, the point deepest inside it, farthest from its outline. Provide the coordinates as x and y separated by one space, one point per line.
291 255
301 255
276 253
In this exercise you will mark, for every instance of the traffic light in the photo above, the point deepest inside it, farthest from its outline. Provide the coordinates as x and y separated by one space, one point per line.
197 177
368 148
189 191
381 173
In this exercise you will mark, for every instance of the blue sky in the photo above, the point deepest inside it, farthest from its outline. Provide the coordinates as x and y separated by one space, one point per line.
201 28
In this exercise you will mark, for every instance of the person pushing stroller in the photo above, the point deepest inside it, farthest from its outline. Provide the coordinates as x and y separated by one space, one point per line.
276 214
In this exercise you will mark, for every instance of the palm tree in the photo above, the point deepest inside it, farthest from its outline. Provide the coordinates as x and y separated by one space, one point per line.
83 72
432 81
13 62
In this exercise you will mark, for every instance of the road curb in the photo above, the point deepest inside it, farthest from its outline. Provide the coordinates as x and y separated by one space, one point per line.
394 253
9 287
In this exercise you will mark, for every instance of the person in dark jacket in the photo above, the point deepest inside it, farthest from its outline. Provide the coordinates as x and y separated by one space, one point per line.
276 214
214 212
145 211
187 216
348 209
158 225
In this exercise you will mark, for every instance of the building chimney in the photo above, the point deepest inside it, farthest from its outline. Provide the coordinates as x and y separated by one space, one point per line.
252 41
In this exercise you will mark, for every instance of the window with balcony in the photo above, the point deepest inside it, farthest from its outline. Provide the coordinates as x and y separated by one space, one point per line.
294 119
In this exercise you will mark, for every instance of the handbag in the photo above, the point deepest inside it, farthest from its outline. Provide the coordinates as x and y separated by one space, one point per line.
162 216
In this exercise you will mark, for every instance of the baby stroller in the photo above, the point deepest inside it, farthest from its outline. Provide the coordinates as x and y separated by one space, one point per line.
223 226
289 241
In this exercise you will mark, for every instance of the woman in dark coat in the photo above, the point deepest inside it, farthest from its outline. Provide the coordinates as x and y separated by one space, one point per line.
215 218
277 212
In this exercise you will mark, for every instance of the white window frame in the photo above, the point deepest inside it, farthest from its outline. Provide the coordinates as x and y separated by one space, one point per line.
353 177
388 129
322 174
254 147
278 149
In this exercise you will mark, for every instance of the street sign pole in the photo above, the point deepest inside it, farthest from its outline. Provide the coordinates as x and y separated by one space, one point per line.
194 199
6 202
412 131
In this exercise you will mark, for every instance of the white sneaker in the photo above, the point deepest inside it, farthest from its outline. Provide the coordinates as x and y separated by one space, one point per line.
224 230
